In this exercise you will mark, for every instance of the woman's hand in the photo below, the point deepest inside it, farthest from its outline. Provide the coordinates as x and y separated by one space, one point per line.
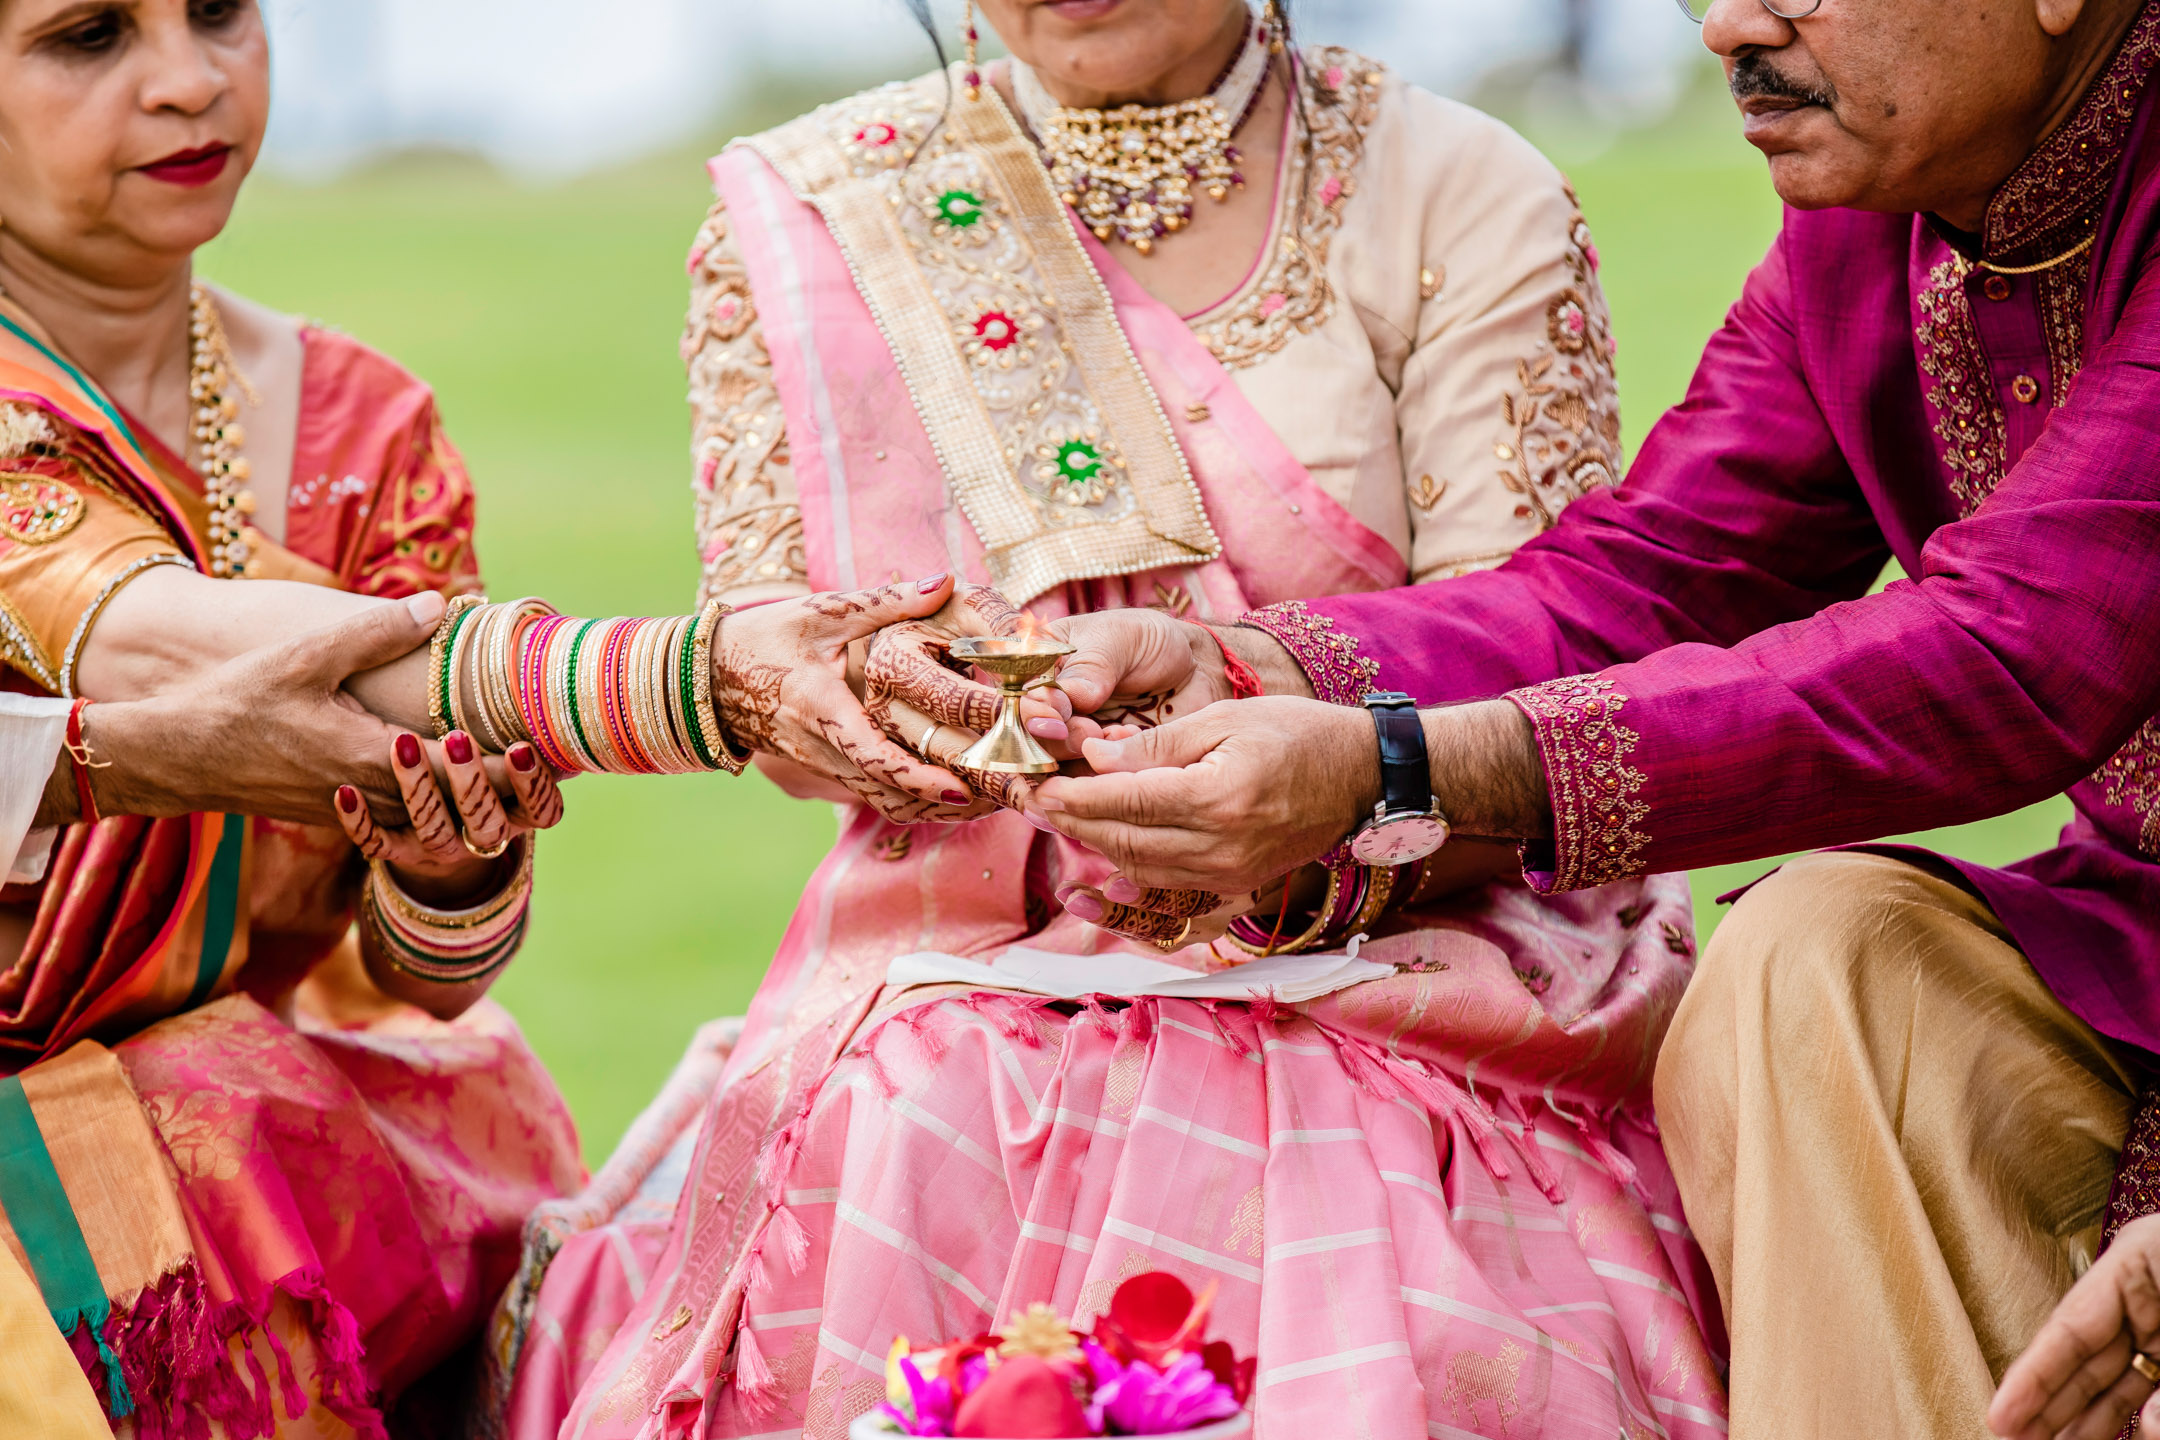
449 855
2076 1380
780 687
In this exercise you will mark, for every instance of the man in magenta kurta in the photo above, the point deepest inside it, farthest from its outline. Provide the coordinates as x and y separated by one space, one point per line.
1896 1093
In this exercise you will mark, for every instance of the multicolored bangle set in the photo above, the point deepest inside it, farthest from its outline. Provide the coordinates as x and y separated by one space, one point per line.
448 947
626 696
1356 897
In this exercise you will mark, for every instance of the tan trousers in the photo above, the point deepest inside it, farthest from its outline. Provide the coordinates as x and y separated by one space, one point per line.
1894 1144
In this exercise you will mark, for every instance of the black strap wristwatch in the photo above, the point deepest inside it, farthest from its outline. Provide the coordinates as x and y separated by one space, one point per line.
1406 825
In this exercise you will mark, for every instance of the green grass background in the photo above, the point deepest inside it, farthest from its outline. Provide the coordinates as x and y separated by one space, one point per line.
547 319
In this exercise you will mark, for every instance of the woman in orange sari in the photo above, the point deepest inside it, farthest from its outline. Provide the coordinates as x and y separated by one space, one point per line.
266 1166
257 1193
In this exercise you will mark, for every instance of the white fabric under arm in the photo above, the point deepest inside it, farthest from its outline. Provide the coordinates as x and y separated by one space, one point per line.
32 729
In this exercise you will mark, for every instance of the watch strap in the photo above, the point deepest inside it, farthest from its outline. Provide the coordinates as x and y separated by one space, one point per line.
1405 774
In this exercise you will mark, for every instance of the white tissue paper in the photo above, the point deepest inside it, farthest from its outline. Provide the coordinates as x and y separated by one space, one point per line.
1290 979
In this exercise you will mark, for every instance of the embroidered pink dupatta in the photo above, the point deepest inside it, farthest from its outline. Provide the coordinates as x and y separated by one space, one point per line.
922 1162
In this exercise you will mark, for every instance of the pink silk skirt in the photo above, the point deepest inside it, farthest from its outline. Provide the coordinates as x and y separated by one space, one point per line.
1434 1204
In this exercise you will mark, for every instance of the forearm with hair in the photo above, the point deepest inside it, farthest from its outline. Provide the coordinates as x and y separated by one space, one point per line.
171 625
1487 775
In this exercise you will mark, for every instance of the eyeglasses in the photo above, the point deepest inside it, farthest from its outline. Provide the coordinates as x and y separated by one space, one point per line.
1699 10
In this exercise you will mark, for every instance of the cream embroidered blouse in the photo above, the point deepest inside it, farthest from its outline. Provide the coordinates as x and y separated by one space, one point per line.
1425 333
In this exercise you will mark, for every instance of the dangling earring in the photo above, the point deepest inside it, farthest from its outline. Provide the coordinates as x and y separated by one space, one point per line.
969 37
1271 19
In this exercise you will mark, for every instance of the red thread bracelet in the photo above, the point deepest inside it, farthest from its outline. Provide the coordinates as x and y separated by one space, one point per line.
1244 680
79 753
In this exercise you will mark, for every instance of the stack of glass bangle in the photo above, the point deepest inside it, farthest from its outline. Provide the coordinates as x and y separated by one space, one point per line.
448 947
625 696
1356 896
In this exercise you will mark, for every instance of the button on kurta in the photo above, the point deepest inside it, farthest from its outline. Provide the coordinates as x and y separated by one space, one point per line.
2026 389
1996 288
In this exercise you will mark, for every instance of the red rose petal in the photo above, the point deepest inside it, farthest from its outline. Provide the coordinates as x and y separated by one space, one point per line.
1022 1399
1151 1308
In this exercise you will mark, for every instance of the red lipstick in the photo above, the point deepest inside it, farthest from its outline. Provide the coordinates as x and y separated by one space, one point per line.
191 168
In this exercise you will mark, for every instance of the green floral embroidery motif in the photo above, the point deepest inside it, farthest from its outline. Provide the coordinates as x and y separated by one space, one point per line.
960 208
1078 462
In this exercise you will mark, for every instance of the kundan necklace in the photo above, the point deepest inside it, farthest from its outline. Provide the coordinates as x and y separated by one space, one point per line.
212 375
1131 172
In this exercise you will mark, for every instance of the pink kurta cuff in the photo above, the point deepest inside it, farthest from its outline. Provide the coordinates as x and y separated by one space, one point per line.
1599 819
1328 656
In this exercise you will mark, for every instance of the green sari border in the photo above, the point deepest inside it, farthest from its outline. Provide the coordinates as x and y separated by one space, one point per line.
43 1218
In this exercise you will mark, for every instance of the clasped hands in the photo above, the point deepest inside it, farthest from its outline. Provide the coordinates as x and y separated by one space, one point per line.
1204 811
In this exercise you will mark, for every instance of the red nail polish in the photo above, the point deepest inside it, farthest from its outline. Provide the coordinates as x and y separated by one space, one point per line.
523 758
348 799
408 751
925 587
458 746
956 797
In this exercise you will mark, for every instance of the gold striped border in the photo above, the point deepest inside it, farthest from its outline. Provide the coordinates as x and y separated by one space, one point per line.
1027 555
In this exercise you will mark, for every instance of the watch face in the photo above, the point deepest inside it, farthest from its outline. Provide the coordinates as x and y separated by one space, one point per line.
1399 839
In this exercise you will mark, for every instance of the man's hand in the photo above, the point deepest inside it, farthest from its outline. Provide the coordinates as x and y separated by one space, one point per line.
271 733
780 685
1225 800
2075 1380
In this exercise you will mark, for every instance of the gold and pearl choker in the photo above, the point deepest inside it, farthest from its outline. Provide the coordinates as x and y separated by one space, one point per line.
218 437
1131 172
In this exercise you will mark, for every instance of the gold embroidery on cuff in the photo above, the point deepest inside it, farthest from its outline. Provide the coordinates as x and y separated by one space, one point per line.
2131 778
1598 823
19 647
1329 658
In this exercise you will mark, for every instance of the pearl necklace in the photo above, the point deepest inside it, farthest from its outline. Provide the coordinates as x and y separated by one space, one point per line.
212 374
1130 172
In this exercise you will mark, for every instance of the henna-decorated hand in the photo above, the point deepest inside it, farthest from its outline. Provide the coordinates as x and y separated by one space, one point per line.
429 855
1169 919
780 687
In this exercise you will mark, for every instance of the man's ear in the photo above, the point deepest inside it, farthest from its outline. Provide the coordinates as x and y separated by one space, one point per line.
2058 16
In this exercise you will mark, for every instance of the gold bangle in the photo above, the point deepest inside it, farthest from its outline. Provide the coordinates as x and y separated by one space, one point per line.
440 681
1376 898
394 899
1312 931
715 735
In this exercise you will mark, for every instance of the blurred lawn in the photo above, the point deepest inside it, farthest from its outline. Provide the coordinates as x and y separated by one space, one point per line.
547 320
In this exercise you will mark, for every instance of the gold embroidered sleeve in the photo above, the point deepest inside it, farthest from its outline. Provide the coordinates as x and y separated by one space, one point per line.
67 545
1508 408
749 531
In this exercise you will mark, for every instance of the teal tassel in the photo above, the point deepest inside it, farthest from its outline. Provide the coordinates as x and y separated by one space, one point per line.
119 1403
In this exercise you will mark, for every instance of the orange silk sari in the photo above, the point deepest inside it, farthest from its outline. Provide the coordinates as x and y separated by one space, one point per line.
259 1197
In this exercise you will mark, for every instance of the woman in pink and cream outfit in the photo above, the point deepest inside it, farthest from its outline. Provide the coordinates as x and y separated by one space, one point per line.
928 332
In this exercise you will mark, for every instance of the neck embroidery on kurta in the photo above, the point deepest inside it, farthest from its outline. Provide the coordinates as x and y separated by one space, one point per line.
1969 419
1051 437
2046 208
1341 91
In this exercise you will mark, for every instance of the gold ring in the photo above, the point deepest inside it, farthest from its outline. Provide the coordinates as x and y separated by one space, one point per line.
2146 1366
1176 942
479 854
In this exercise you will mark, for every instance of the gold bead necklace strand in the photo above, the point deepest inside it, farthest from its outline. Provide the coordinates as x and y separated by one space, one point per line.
212 377
1131 172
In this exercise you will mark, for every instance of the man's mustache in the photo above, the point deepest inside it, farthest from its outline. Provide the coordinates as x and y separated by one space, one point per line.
1754 77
